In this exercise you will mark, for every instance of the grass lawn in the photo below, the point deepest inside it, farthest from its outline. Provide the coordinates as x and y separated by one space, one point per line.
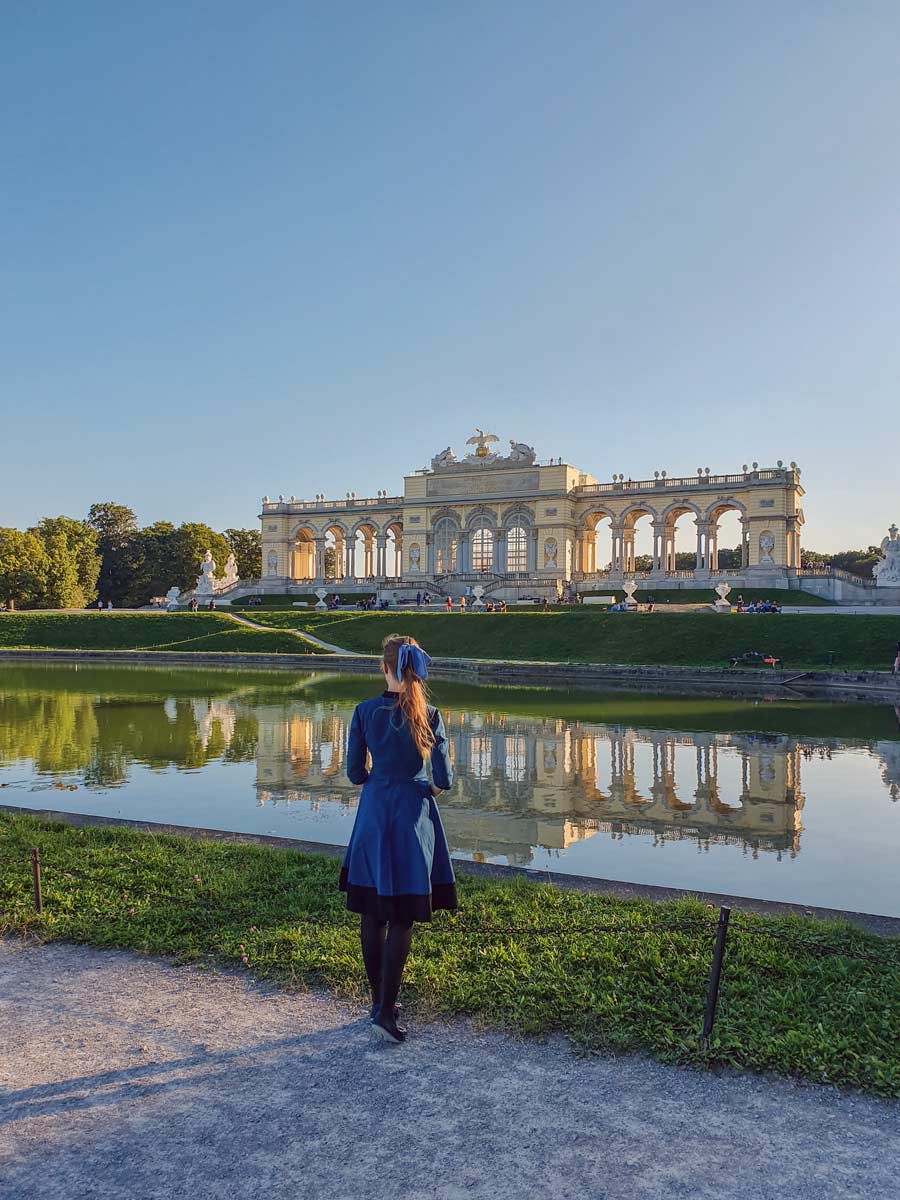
586 635
137 631
781 1008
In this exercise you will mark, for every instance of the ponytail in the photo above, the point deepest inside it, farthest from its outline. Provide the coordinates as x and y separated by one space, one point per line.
413 695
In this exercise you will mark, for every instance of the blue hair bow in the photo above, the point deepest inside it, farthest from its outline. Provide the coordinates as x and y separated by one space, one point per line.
415 657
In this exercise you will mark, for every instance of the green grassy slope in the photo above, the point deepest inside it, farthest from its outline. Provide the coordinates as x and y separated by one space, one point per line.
585 635
138 631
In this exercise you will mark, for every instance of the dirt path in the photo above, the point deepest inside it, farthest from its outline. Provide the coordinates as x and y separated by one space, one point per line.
126 1077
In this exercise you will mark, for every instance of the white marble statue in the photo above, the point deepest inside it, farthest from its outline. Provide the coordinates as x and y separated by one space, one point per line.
272 562
230 578
723 604
766 546
520 453
206 583
415 555
887 572
172 598
550 549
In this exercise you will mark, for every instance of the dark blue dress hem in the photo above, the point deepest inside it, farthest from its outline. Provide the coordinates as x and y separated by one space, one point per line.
402 909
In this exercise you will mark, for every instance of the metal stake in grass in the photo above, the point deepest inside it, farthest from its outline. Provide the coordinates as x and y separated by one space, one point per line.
36 877
715 974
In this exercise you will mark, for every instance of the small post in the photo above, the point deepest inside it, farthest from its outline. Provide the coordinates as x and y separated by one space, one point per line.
36 876
715 974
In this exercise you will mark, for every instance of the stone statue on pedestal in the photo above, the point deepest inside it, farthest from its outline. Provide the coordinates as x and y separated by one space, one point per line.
520 453
444 459
230 578
887 572
206 583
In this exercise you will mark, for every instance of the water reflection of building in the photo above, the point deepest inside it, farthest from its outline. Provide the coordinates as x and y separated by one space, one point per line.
523 783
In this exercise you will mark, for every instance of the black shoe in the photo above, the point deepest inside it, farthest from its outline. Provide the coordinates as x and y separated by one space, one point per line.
376 1009
389 1031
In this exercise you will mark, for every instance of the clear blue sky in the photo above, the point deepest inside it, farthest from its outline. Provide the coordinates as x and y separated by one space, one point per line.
301 247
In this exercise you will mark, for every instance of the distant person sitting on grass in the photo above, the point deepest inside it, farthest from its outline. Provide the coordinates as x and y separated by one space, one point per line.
397 868
650 604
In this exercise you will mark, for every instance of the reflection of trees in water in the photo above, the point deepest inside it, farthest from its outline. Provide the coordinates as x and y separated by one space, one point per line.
68 732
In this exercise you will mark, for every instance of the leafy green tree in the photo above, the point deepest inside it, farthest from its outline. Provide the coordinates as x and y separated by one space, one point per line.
729 560
190 543
159 554
61 587
246 546
23 568
857 562
81 540
120 550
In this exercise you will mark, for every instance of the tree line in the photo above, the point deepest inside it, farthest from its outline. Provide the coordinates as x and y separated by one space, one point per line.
64 562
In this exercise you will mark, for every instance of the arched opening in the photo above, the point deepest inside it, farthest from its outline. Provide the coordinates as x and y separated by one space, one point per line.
362 552
393 553
446 540
517 549
595 548
334 552
637 541
680 540
482 545
303 564
728 544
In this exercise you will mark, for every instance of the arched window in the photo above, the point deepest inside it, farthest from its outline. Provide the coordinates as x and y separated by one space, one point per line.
482 548
444 546
517 549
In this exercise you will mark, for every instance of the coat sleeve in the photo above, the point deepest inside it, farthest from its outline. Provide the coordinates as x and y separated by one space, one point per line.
441 769
357 750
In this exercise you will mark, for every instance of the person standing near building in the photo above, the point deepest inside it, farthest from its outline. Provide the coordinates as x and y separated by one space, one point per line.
449 604
397 868
462 604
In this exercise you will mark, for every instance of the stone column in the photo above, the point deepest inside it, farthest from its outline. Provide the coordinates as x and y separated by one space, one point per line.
351 557
628 553
463 552
429 553
658 548
500 552
381 555
320 558
701 563
745 543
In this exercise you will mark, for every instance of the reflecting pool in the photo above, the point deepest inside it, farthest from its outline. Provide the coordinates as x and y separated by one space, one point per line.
791 800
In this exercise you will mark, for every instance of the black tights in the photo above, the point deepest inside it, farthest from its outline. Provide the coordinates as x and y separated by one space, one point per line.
385 949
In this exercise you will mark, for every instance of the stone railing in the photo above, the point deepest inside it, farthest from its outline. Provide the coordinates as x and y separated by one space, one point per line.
314 505
685 483
835 573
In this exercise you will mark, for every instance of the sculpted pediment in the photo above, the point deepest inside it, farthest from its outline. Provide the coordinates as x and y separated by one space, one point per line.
482 458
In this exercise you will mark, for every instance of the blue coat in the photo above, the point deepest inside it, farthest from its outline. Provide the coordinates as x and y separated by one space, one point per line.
397 866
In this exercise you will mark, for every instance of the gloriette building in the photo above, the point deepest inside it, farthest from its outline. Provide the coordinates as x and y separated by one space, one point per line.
519 526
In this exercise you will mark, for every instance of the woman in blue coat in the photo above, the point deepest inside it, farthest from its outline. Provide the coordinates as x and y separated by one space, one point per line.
397 868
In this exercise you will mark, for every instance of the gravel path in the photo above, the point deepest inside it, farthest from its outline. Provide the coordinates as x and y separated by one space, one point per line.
126 1077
